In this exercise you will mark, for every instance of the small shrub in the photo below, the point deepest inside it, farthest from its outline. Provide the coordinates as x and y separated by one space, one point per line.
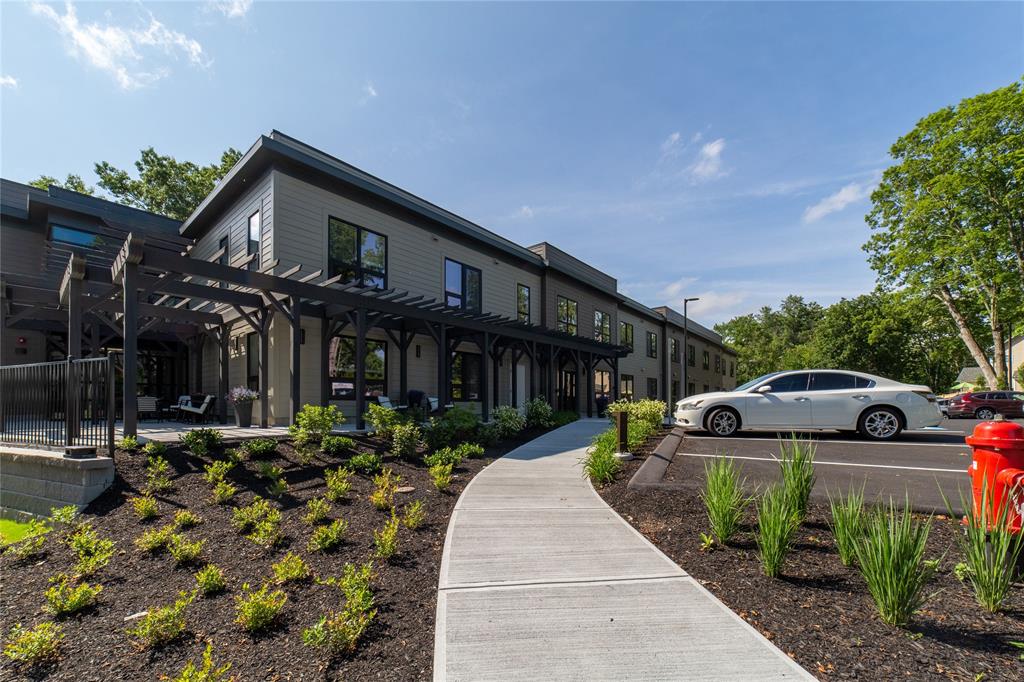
405 438
145 507
314 422
210 580
600 465
154 541
365 463
539 414
65 597
154 448
650 413
487 435
384 485
890 555
338 483
290 569
414 515
128 444
163 624
32 543
158 475
215 472
259 448
223 492
847 524
326 538
186 519
270 471
277 487
268 531
244 519
355 585
33 646
449 456
441 475
469 450
796 462
64 516
236 455
382 419
776 523
723 498
256 611
385 541
200 442
317 510
336 446
92 551
207 673
183 550
339 632
457 425
508 422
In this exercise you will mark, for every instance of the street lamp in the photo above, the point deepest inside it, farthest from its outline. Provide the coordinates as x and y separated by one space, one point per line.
686 348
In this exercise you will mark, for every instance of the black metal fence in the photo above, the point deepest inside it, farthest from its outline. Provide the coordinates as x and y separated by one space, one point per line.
67 403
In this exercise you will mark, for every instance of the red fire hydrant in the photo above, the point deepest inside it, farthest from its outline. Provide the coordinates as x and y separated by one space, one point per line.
998 466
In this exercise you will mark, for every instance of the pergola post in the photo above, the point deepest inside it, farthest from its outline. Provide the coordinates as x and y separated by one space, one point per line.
496 374
126 269
443 357
552 370
589 368
515 377
577 357
360 368
403 365
224 385
615 378
533 370
485 395
264 333
197 368
71 296
296 358
325 360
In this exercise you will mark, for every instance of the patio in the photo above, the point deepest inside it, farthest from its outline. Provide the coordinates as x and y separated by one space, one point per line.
170 431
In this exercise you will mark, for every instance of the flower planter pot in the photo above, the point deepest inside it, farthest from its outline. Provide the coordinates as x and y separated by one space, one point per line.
243 414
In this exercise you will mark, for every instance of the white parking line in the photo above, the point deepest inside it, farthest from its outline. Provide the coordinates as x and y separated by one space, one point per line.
838 464
829 440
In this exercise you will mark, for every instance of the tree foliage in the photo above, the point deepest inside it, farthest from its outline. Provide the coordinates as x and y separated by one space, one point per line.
71 182
771 340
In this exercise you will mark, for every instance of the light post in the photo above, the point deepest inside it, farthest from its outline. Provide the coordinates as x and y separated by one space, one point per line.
686 348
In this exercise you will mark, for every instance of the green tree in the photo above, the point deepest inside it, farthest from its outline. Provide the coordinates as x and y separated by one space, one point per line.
165 185
771 340
72 182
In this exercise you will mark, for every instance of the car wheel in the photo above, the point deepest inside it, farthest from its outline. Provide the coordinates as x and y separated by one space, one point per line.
881 423
723 422
985 414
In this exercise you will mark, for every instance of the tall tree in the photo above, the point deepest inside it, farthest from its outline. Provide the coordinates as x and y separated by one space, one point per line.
771 340
72 182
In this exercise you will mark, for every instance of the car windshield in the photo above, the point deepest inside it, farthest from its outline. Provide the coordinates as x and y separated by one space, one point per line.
755 382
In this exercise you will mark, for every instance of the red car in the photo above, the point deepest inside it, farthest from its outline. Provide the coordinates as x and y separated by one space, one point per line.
987 404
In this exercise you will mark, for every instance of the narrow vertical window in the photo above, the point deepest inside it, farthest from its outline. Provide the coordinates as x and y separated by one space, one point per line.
673 345
523 303
462 286
602 326
252 360
626 335
255 231
652 345
568 315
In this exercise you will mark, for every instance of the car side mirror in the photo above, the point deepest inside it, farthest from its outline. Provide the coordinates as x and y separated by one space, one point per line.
764 389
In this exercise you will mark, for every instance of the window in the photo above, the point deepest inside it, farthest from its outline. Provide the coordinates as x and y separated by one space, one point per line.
652 345
602 382
568 317
832 381
523 303
789 383
342 358
626 335
466 370
706 388
707 360
652 387
223 260
461 286
675 392
253 244
691 355
732 368
691 388
602 326
718 363
252 360
626 386
673 349
359 255
69 235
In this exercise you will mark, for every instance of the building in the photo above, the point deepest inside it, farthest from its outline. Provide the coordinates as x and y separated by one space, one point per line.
314 282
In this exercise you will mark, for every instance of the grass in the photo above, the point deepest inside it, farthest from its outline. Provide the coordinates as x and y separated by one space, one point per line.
12 531
847 523
776 523
796 463
723 498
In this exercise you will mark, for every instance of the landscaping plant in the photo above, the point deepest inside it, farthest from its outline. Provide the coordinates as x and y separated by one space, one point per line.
207 673
216 472
508 422
258 448
128 444
456 425
847 524
338 483
336 446
33 646
796 463
183 550
158 475
723 498
200 442
449 456
384 485
326 538
340 632
441 475
65 596
163 624
186 519
223 492
776 524
314 422
414 515
270 471
469 450
92 551
650 413
290 569
256 611
385 541
277 487
600 464
539 414
32 543
890 554
155 540
210 580
382 419
154 448
317 510
366 463
405 438
145 507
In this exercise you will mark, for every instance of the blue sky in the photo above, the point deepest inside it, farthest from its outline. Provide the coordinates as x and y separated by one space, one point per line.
717 150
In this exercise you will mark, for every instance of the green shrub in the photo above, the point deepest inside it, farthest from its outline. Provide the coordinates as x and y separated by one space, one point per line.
469 450
326 538
64 516
256 611
270 471
158 475
449 456
236 455
563 417
277 487
128 444
539 414
385 541
891 559
30 647
258 448
267 532
441 475
405 438
457 425
163 624
990 557
223 492
32 543
487 435
508 422
210 580
314 422
154 448
338 483
776 524
336 446
382 419
317 510
207 673
796 463
183 550
648 412
847 523
723 498
260 521
65 597
145 507
215 472
290 569
366 463
200 442
186 519
92 551
340 632
154 541
384 486
600 464
414 515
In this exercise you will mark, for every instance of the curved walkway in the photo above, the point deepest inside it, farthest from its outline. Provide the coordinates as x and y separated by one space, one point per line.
541 580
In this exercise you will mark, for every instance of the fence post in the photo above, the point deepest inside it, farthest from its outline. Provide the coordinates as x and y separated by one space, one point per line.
111 404
70 423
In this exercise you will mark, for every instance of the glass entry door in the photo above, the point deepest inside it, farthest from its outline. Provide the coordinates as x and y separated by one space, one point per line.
567 390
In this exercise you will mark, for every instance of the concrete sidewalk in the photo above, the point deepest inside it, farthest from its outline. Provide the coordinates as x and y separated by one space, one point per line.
541 580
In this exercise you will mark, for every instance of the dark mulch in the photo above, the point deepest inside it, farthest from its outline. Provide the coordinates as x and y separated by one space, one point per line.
820 612
398 646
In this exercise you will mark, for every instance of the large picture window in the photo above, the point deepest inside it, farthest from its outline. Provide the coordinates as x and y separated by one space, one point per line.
253 243
342 358
568 315
462 286
522 303
602 326
359 255
626 335
252 361
466 369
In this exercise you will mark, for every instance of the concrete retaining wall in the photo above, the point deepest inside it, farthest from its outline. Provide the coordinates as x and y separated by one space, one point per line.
33 481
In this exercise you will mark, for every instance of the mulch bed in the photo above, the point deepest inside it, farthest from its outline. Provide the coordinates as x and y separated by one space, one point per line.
399 645
819 611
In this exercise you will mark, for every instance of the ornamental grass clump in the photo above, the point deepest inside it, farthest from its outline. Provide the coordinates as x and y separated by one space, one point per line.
145 507
65 596
405 438
258 610
33 646
290 569
317 510
210 580
848 519
796 463
776 524
723 498
163 624
208 672
890 555
385 541
414 515
600 465
384 486
339 483
990 558
326 538
441 476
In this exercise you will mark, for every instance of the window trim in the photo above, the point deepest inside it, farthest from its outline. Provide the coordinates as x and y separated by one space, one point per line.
623 380
623 326
462 283
607 318
254 264
462 378
520 287
563 325
652 345
360 270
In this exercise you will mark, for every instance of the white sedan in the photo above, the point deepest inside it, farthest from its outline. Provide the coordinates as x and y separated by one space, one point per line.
804 400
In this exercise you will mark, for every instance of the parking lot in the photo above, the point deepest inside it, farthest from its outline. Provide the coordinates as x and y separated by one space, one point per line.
919 464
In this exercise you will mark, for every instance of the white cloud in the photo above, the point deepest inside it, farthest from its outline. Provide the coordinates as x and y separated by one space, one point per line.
709 161
714 306
232 9
848 194
525 212
369 92
671 143
675 290
8 82
119 50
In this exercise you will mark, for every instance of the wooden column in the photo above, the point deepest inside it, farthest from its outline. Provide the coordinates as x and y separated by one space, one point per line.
224 372
496 374
552 371
325 360
615 378
360 387
294 397
589 368
485 396
126 270
443 357
515 376
533 370
264 333
578 358
71 296
403 366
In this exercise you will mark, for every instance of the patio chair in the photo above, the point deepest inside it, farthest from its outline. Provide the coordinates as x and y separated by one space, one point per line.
199 414
385 401
183 401
147 405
